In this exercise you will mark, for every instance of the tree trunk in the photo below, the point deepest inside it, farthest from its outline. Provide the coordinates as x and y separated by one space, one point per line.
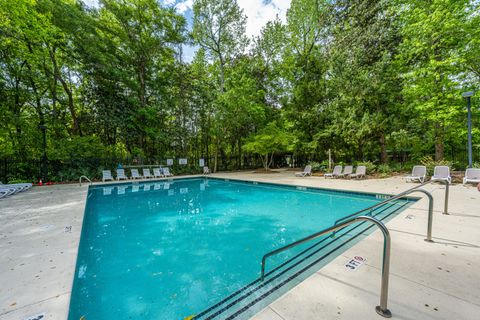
216 154
265 161
383 149
439 144
71 104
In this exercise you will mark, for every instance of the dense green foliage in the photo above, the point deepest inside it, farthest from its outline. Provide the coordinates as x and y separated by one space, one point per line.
366 79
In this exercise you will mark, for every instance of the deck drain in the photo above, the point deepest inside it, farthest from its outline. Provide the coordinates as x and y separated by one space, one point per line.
36 317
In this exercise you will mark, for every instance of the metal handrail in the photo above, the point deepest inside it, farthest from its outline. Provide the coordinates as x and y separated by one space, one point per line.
382 308
445 207
398 196
84 177
430 210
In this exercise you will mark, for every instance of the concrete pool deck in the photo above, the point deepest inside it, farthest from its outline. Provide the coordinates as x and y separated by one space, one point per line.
40 232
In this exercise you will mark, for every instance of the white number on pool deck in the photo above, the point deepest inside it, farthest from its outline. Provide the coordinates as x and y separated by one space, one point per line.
355 263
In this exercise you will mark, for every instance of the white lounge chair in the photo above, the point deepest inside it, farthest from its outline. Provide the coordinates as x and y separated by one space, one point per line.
157 172
472 175
441 173
418 173
19 187
121 175
306 172
4 193
360 172
106 175
166 172
206 170
347 171
337 171
135 174
7 191
146 173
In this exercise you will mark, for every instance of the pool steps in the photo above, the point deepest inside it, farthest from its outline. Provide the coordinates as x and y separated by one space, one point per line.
245 302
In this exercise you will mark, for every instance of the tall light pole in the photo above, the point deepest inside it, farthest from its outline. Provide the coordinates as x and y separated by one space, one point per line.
468 95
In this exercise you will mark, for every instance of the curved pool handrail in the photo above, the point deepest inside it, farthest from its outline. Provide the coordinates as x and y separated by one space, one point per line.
396 197
380 309
84 177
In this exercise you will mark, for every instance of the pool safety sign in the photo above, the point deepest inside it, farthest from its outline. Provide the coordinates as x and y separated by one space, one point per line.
169 162
355 263
182 161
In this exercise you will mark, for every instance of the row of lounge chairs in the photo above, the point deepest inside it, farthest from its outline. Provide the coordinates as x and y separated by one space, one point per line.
347 172
14 188
134 174
442 173
419 173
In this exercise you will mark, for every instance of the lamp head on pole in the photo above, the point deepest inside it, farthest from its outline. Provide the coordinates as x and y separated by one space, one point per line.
467 94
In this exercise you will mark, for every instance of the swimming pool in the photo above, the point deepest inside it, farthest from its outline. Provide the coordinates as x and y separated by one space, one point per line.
177 249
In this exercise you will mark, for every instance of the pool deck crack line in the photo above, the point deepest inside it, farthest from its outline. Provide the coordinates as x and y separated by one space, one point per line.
34 303
276 312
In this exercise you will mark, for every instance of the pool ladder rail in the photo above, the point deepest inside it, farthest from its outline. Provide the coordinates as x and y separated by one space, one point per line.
382 308
340 224
86 178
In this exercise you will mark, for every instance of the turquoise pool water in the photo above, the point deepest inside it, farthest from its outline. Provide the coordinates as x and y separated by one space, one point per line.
168 250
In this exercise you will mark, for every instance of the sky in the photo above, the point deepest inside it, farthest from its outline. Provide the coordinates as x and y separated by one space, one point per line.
258 13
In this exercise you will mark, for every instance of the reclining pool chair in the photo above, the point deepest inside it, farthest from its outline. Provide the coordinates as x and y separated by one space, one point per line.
146 173
306 172
337 172
472 175
157 172
347 171
441 173
7 191
135 174
166 172
19 187
107 175
418 173
121 175
360 172
206 170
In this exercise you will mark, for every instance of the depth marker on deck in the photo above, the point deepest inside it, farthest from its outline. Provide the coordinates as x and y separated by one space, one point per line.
355 263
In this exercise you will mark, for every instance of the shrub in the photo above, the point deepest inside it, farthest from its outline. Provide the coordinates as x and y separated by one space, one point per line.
384 168
319 166
396 167
428 162
371 168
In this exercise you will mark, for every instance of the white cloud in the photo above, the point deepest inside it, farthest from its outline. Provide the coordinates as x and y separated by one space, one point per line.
91 3
259 13
184 5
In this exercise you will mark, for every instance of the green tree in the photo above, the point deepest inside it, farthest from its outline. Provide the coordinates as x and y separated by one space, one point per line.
268 141
219 28
433 35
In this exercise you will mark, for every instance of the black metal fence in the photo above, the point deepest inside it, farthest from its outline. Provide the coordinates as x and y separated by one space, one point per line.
63 170
460 158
